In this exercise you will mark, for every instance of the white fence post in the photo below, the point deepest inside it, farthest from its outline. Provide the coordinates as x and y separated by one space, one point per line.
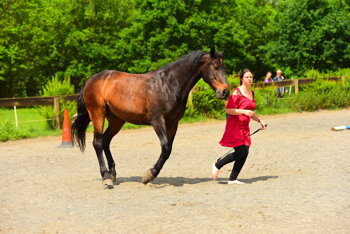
16 120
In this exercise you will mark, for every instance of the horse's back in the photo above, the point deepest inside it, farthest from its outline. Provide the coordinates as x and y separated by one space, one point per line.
126 94
112 78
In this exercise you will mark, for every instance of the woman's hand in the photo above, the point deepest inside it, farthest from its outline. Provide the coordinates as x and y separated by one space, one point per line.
263 124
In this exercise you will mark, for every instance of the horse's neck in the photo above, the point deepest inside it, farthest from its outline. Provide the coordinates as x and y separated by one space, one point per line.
186 80
189 85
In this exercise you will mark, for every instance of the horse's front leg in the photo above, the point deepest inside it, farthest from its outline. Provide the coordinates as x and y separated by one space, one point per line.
166 135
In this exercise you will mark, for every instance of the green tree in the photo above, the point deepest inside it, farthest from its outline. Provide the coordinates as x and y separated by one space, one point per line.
242 33
162 31
40 39
157 35
310 34
94 28
43 38
29 42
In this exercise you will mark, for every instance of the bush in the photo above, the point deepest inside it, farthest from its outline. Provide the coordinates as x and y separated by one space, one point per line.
8 131
342 72
313 74
264 97
322 94
205 102
55 87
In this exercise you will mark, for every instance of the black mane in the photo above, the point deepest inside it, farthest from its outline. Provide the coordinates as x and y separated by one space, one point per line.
191 60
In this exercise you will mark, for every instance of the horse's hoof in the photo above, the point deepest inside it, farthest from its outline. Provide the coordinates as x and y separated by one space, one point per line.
148 176
108 183
114 178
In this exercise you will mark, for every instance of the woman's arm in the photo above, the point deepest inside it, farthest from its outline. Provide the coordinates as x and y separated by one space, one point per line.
249 113
236 111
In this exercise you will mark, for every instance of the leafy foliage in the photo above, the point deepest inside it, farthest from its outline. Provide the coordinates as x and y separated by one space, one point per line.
205 102
309 34
322 94
55 87
40 39
8 131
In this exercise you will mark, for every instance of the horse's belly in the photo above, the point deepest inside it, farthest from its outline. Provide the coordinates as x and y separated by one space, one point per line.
130 115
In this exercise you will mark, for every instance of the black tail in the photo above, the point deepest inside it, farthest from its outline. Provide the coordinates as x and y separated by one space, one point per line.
81 122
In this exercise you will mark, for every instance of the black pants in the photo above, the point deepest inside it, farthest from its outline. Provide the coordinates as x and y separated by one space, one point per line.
239 156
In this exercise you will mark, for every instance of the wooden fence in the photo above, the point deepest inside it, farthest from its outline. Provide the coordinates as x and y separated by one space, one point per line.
55 101
295 83
39 101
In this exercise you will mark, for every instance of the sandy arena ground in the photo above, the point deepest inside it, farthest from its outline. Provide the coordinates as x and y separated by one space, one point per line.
297 175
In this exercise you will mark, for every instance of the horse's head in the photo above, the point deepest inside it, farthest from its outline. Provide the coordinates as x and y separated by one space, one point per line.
213 73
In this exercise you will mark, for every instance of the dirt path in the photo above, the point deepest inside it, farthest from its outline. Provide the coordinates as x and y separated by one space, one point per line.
297 175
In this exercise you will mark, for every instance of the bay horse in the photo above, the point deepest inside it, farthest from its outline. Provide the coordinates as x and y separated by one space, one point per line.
156 98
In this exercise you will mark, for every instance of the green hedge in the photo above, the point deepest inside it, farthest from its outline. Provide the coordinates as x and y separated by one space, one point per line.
321 94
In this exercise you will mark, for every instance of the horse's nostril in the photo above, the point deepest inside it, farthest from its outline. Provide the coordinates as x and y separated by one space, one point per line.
222 93
225 92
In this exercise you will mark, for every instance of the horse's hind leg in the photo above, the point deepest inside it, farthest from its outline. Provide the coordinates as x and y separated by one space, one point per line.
114 126
97 117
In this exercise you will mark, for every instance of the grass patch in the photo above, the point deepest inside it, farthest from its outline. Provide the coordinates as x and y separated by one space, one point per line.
30 124
276 106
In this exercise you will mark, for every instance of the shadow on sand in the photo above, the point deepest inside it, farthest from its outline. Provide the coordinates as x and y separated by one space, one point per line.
180 181
253 180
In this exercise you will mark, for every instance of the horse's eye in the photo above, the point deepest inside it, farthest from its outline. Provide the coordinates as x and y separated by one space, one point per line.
216 67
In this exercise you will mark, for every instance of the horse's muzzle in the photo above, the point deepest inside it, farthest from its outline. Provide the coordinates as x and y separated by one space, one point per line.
222 94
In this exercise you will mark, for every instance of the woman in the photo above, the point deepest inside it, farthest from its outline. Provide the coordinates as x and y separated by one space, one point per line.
240 108
268 78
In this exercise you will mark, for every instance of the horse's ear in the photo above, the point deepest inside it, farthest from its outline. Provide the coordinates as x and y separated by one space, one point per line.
222 54
212 52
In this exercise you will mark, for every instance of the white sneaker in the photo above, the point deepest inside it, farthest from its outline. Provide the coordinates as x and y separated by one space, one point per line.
214 172
235 182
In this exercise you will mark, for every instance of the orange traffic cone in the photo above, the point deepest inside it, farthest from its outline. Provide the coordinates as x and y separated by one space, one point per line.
66 134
